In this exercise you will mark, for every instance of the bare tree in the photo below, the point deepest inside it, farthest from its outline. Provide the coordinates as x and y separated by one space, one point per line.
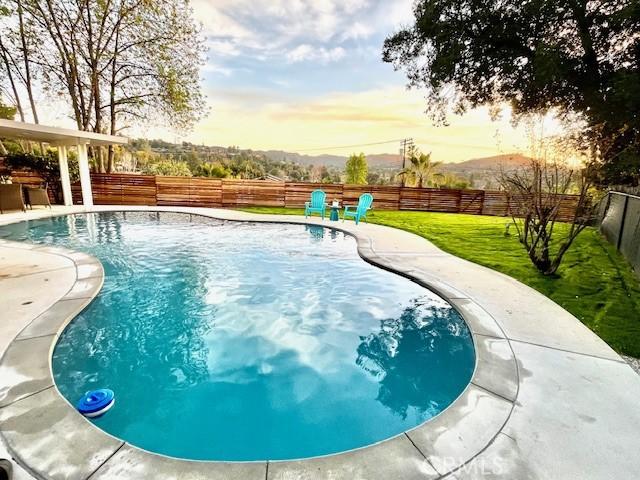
26 52
7 62
16 51
538 194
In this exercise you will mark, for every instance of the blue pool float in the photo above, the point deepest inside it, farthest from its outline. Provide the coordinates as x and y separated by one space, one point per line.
96 402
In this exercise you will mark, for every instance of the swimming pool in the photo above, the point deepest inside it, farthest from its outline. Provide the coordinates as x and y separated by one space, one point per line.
237 341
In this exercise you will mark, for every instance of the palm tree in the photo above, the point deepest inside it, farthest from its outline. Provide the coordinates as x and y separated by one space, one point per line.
421 170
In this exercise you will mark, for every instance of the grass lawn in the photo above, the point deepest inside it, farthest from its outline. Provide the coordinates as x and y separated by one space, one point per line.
594 282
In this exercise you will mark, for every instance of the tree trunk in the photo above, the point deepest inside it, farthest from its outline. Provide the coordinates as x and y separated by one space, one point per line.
112 96
65 42
5 59
27 67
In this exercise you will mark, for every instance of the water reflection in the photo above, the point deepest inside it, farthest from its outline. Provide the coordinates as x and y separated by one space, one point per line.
161 338
316 232
408 353
235 341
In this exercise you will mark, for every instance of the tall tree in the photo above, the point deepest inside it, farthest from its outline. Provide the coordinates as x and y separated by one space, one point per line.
7 70
575 56
16 45
356 169
24 35
118 62
6 112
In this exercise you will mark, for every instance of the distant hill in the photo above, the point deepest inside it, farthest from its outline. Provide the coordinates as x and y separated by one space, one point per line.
391 161
394 161
485 172
508 162
382 160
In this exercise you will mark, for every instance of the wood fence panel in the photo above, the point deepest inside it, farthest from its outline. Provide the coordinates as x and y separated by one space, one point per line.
76 193
123 189
414 199
253 192
446 201
138 189
33 179
495 203
26 177
205 192
107 189
189 191
385 197
516 203
568 207
471 201
173 191
296 193
430 199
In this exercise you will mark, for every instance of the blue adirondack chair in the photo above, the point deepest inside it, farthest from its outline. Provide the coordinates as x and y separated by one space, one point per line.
360 211
316 205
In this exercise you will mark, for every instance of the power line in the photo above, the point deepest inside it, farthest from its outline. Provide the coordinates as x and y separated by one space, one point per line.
407 146
344 146
400 140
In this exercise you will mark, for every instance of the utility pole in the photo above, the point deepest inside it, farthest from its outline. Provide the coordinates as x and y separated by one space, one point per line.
406 146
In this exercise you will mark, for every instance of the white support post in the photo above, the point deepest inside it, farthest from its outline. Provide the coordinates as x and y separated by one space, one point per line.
85 177
64 175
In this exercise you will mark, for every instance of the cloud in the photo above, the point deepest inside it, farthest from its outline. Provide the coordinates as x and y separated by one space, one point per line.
357 31
275 119
390 107
274 29
306 52
247 100
218 23
215 69
223 47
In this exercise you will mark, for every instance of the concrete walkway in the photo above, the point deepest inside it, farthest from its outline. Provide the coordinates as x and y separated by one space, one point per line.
548 399
24 275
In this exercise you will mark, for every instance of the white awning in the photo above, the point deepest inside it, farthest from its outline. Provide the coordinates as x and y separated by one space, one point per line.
63 138
56 136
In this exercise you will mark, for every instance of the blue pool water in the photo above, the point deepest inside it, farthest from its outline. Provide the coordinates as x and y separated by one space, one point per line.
240 341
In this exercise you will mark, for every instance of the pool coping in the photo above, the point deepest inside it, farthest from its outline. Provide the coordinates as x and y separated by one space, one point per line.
468 426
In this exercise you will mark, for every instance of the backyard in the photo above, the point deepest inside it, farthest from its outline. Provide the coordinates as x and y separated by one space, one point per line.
319 240
594 283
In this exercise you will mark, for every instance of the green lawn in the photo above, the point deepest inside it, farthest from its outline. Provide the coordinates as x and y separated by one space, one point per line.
594 282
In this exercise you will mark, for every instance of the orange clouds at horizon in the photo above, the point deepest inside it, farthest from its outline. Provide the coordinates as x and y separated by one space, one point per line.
260 121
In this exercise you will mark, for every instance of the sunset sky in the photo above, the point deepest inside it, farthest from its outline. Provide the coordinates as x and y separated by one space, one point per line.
298 75
307 76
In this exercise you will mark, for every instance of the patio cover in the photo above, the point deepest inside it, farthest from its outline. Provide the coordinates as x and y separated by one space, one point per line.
62 139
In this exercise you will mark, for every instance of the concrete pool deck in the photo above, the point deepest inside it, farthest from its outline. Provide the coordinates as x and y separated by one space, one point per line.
548 398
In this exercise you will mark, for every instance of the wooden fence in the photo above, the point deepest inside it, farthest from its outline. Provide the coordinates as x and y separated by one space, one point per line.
128 189
32 179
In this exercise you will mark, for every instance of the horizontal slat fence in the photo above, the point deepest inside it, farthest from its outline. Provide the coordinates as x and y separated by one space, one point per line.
471 201
384 197
33 179
495 203
128 189
262 193
117 189
189 191
297 193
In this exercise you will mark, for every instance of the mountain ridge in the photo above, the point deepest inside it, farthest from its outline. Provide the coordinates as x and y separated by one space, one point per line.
394 161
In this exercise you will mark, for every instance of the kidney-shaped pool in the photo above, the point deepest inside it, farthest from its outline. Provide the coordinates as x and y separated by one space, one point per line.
250 341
